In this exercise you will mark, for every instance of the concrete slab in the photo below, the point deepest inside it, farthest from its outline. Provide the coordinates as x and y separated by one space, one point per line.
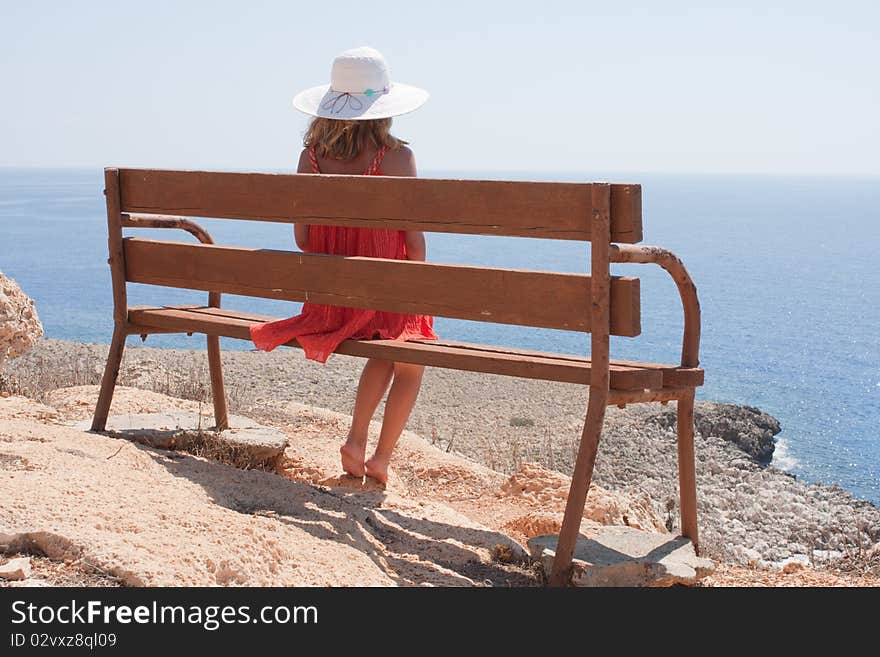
624 556
246 443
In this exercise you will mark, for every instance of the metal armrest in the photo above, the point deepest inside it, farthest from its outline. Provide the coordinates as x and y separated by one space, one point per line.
690 344
165 221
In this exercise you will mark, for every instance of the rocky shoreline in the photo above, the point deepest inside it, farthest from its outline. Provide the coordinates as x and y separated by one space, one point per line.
750 511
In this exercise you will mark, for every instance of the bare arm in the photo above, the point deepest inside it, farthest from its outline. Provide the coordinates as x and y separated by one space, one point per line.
402 163
415 245
301 231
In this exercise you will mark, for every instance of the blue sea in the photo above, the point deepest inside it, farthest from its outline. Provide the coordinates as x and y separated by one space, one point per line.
786 269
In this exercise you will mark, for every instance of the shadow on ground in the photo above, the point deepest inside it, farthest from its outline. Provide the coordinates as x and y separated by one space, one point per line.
410 549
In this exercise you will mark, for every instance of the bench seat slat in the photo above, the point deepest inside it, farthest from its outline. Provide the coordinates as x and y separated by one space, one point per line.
623 375
674 376
453 355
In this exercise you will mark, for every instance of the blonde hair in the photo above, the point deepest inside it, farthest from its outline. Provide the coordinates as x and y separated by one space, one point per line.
345 140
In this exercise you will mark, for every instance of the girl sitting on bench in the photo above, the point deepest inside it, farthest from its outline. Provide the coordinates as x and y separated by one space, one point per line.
350 135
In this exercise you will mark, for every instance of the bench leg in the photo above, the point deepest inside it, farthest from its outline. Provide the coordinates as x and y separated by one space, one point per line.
687 473
108 381
577 495
218 391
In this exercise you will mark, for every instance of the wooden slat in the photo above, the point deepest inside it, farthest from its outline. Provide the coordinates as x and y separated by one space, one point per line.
626 210
620 373
673 375
481 207
623 397
502 296
235 324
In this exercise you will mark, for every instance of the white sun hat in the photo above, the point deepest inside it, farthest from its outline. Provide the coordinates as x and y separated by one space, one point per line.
360 89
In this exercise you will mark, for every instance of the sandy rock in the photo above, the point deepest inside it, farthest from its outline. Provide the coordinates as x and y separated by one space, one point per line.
727 574
749 513
20 327
31 583
535 524
792 567
16 406
623 556
78 402
148 517
543 487
16 569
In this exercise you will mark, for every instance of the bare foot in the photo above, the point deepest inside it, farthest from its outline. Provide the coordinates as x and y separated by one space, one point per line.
353 458
377 468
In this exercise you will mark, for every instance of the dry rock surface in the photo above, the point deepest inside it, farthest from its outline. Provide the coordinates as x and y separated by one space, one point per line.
146 516
20 328
154 517
491 440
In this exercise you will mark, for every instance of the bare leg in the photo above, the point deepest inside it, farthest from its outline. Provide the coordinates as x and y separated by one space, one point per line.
400 402
373 384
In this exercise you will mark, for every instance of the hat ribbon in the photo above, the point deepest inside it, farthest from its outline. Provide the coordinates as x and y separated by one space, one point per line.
345 98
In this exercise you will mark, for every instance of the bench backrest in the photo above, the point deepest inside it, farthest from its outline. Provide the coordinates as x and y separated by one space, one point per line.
596 212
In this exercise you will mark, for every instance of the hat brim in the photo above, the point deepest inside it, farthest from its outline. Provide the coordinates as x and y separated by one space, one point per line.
321 101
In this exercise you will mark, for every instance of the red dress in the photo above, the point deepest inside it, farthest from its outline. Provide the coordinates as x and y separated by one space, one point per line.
319 329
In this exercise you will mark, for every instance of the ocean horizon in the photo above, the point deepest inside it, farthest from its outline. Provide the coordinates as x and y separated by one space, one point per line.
790 303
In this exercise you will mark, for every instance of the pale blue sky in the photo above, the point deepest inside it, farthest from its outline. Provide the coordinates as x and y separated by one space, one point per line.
781 87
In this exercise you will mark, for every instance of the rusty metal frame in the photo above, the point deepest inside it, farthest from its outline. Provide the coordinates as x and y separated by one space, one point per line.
218 391
690 357
116 222
672 264
560 574
165 221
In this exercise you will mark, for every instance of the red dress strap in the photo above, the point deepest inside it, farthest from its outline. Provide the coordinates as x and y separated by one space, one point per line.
313 159
373 170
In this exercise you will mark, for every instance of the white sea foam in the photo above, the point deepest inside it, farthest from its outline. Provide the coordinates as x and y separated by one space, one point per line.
782 457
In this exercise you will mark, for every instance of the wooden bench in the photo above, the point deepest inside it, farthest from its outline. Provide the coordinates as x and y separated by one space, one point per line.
606 215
